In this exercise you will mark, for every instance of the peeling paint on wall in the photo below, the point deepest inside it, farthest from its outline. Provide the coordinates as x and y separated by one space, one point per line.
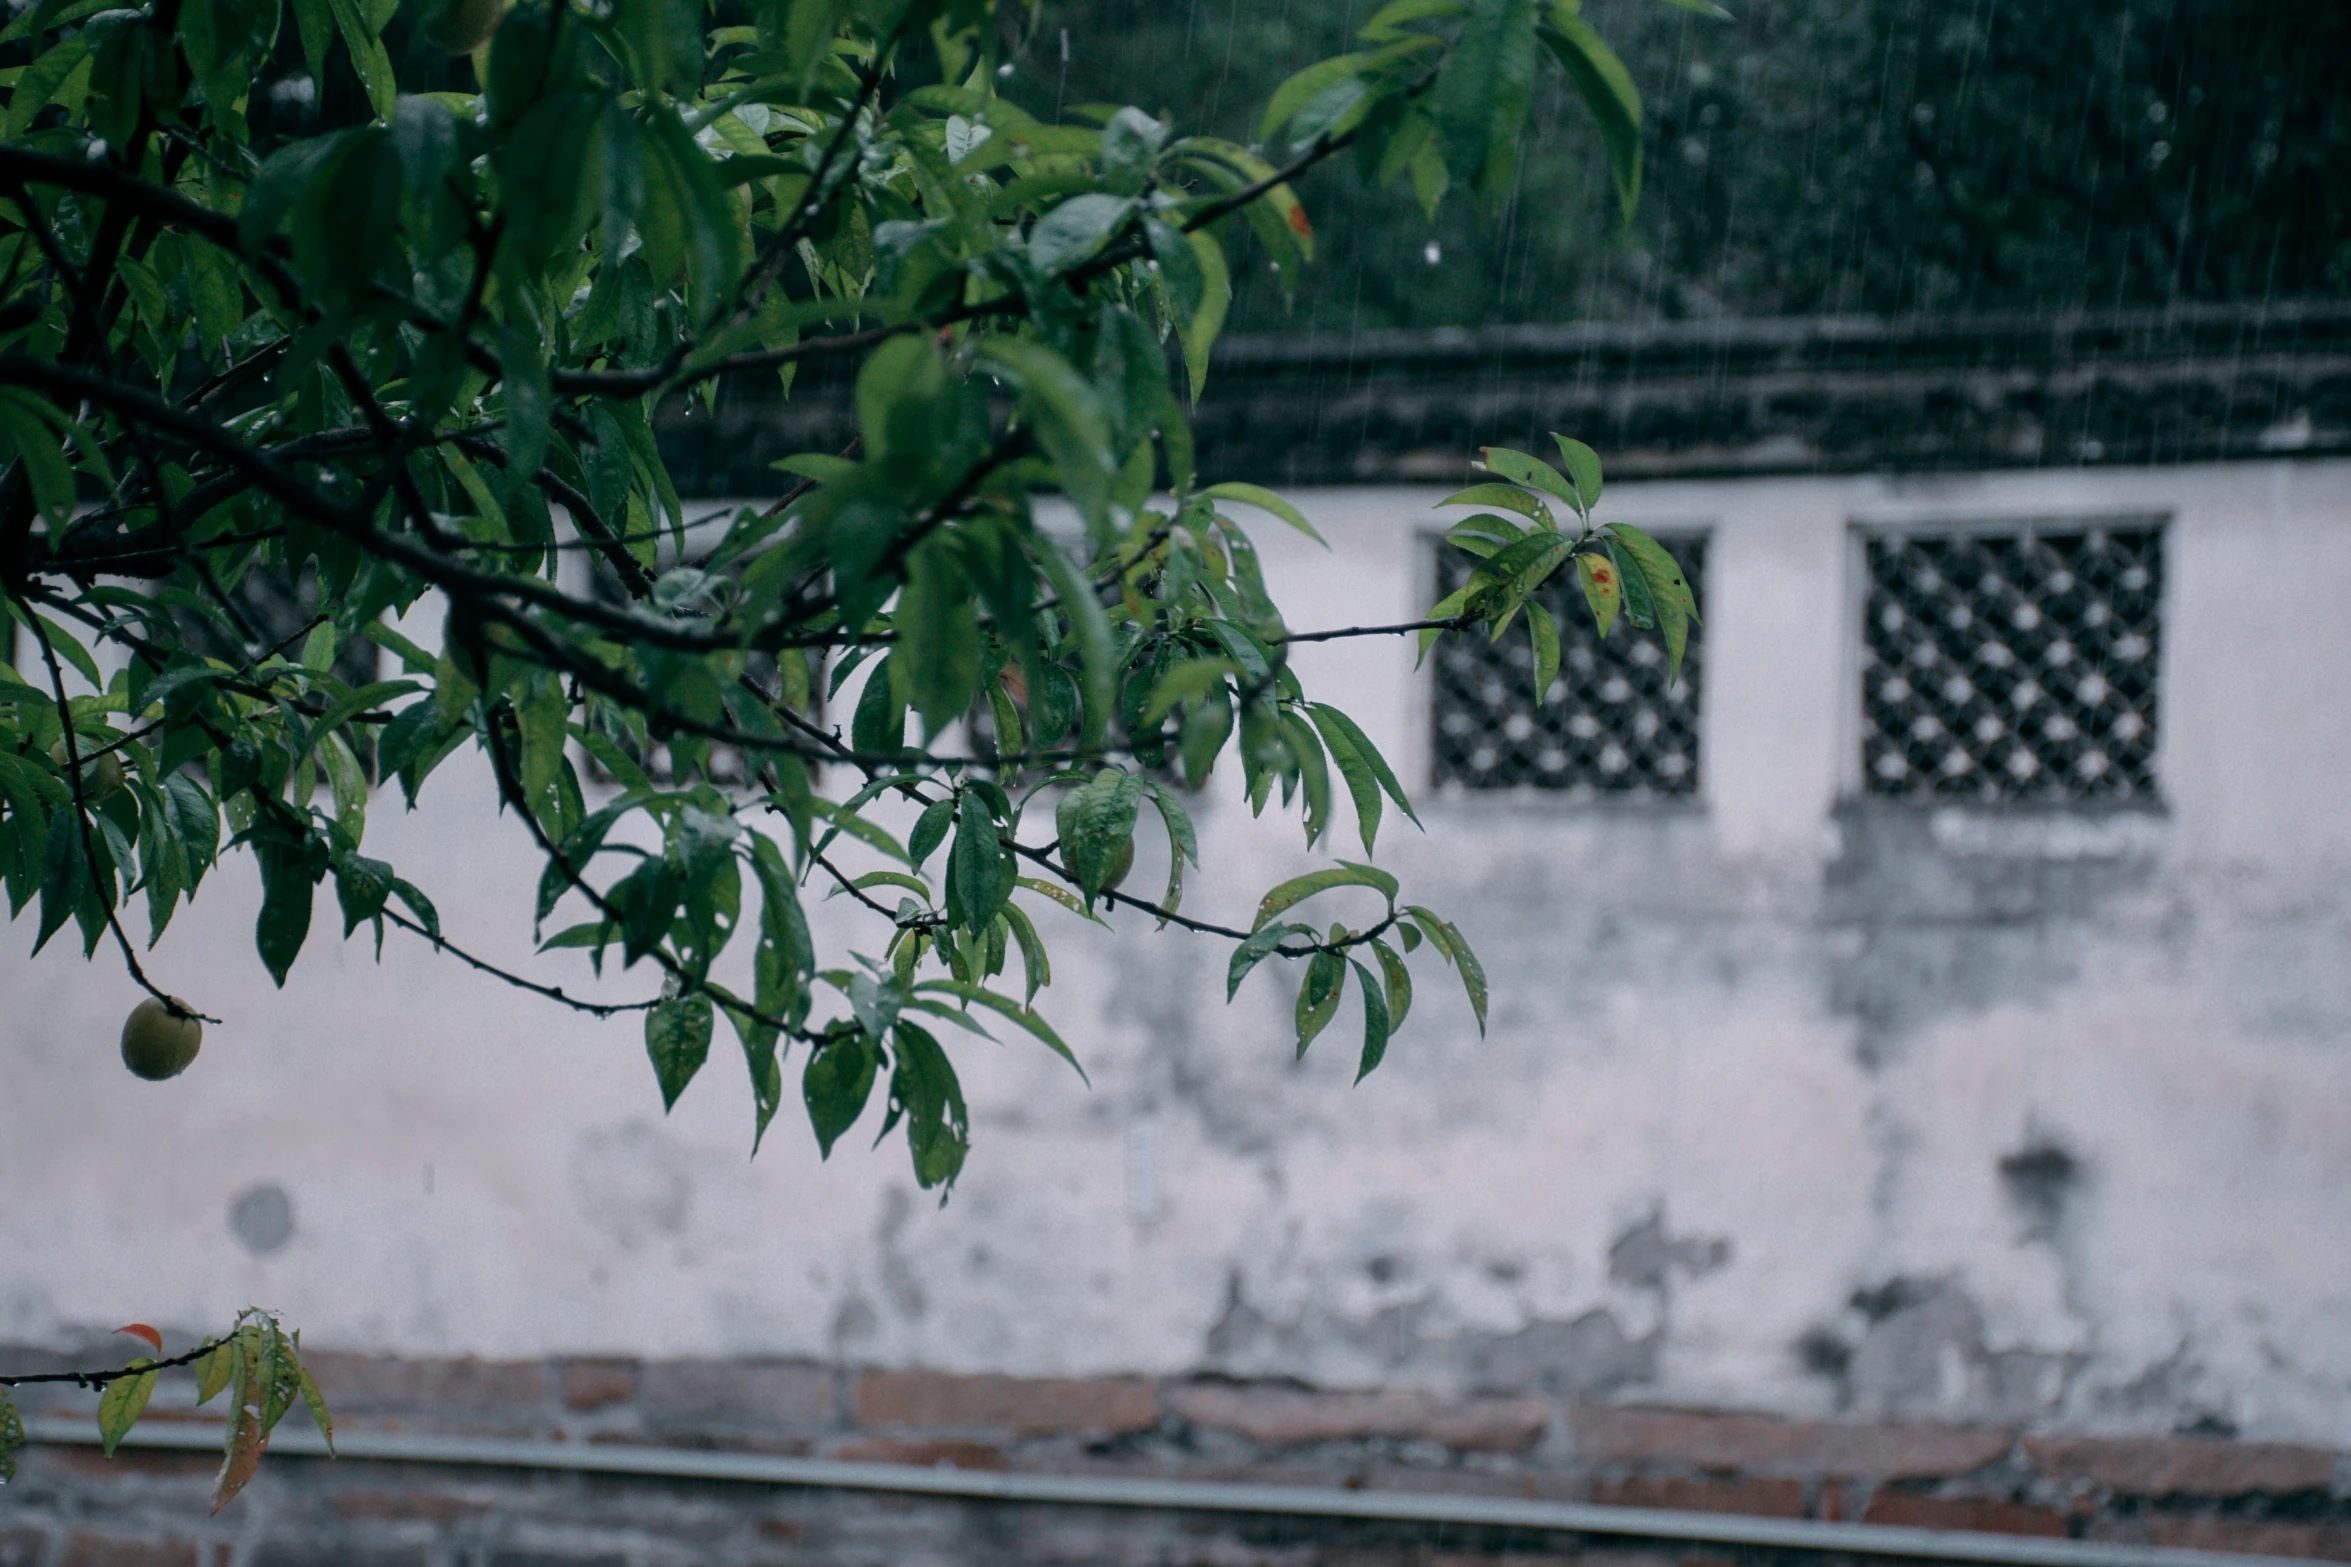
1786 1104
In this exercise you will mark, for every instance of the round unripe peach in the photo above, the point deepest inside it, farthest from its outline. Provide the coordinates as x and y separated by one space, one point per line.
1119 867
101 774
157 1043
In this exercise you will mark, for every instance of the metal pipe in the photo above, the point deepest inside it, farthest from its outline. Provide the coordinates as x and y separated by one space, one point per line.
1649 1523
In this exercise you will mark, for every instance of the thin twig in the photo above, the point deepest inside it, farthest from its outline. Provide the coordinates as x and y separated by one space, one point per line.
1451 623
601 1009
99 1379
81 817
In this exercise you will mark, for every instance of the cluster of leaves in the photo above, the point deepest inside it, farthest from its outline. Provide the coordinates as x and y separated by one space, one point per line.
416 352
1619 567
259 1365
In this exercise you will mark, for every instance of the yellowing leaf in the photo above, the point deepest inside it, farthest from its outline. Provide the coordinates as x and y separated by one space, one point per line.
120 1406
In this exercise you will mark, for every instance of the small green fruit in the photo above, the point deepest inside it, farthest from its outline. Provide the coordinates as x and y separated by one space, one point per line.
462 26
101 775
1120 866
156 1043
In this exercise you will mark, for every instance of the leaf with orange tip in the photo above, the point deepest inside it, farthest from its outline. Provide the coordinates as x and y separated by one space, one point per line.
140 1330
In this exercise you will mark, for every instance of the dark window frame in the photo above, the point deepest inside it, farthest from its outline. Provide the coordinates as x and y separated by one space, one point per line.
1571 771
2083 609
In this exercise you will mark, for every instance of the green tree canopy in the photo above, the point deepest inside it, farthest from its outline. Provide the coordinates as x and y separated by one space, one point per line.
372 300
1812 156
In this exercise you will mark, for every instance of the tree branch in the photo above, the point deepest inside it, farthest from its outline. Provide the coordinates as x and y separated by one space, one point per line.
598 1009
97 1380
81 818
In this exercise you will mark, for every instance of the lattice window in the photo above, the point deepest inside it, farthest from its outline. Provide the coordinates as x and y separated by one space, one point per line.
1608 727
2012 666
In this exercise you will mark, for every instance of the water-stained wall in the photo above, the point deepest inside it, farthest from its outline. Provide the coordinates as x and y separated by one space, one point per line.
1790 1100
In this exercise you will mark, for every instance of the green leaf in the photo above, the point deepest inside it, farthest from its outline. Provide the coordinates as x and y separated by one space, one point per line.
1376 1024
1546 638
1265 500
1036 966
1183 841
1216 297
1255 950
361 885
1095 823
284 923
1504 495
1533 472
1073 231
1069 421
1180 267
1298 889
1399 978
1668 589
1097 654
316 1402
1388 21
1360 744
1603 588
1448 941
1583 469
420 906
938 653
1061 895
1639 607
348 706
1362 787
1314 775
975 866
930 830
120 1406
677 1037
1188 681
879 725
1482 94
212 1370
974 995
1607 90
924 1090
368 57
836 1084
11 1436
1318 997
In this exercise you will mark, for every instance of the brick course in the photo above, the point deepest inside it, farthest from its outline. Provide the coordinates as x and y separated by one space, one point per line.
359 1383
924 1455
1979 1514
1023 1406
149 1506
1685 1493
771 1393
2183 1465
1282 1415
1761 1444
592 1384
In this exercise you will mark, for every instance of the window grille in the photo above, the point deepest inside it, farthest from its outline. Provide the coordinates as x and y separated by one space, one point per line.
1608 728
2012 666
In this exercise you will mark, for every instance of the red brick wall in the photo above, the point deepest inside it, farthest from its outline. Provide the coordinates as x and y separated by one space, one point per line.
72 1508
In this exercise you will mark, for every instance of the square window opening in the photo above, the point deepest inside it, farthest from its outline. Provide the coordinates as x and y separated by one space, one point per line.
2012 666
1610 728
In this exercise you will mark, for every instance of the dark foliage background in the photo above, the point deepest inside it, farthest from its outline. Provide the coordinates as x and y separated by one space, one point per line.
1882 156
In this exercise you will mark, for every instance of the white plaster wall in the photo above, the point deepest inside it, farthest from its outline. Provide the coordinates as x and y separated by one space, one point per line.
1671 1165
